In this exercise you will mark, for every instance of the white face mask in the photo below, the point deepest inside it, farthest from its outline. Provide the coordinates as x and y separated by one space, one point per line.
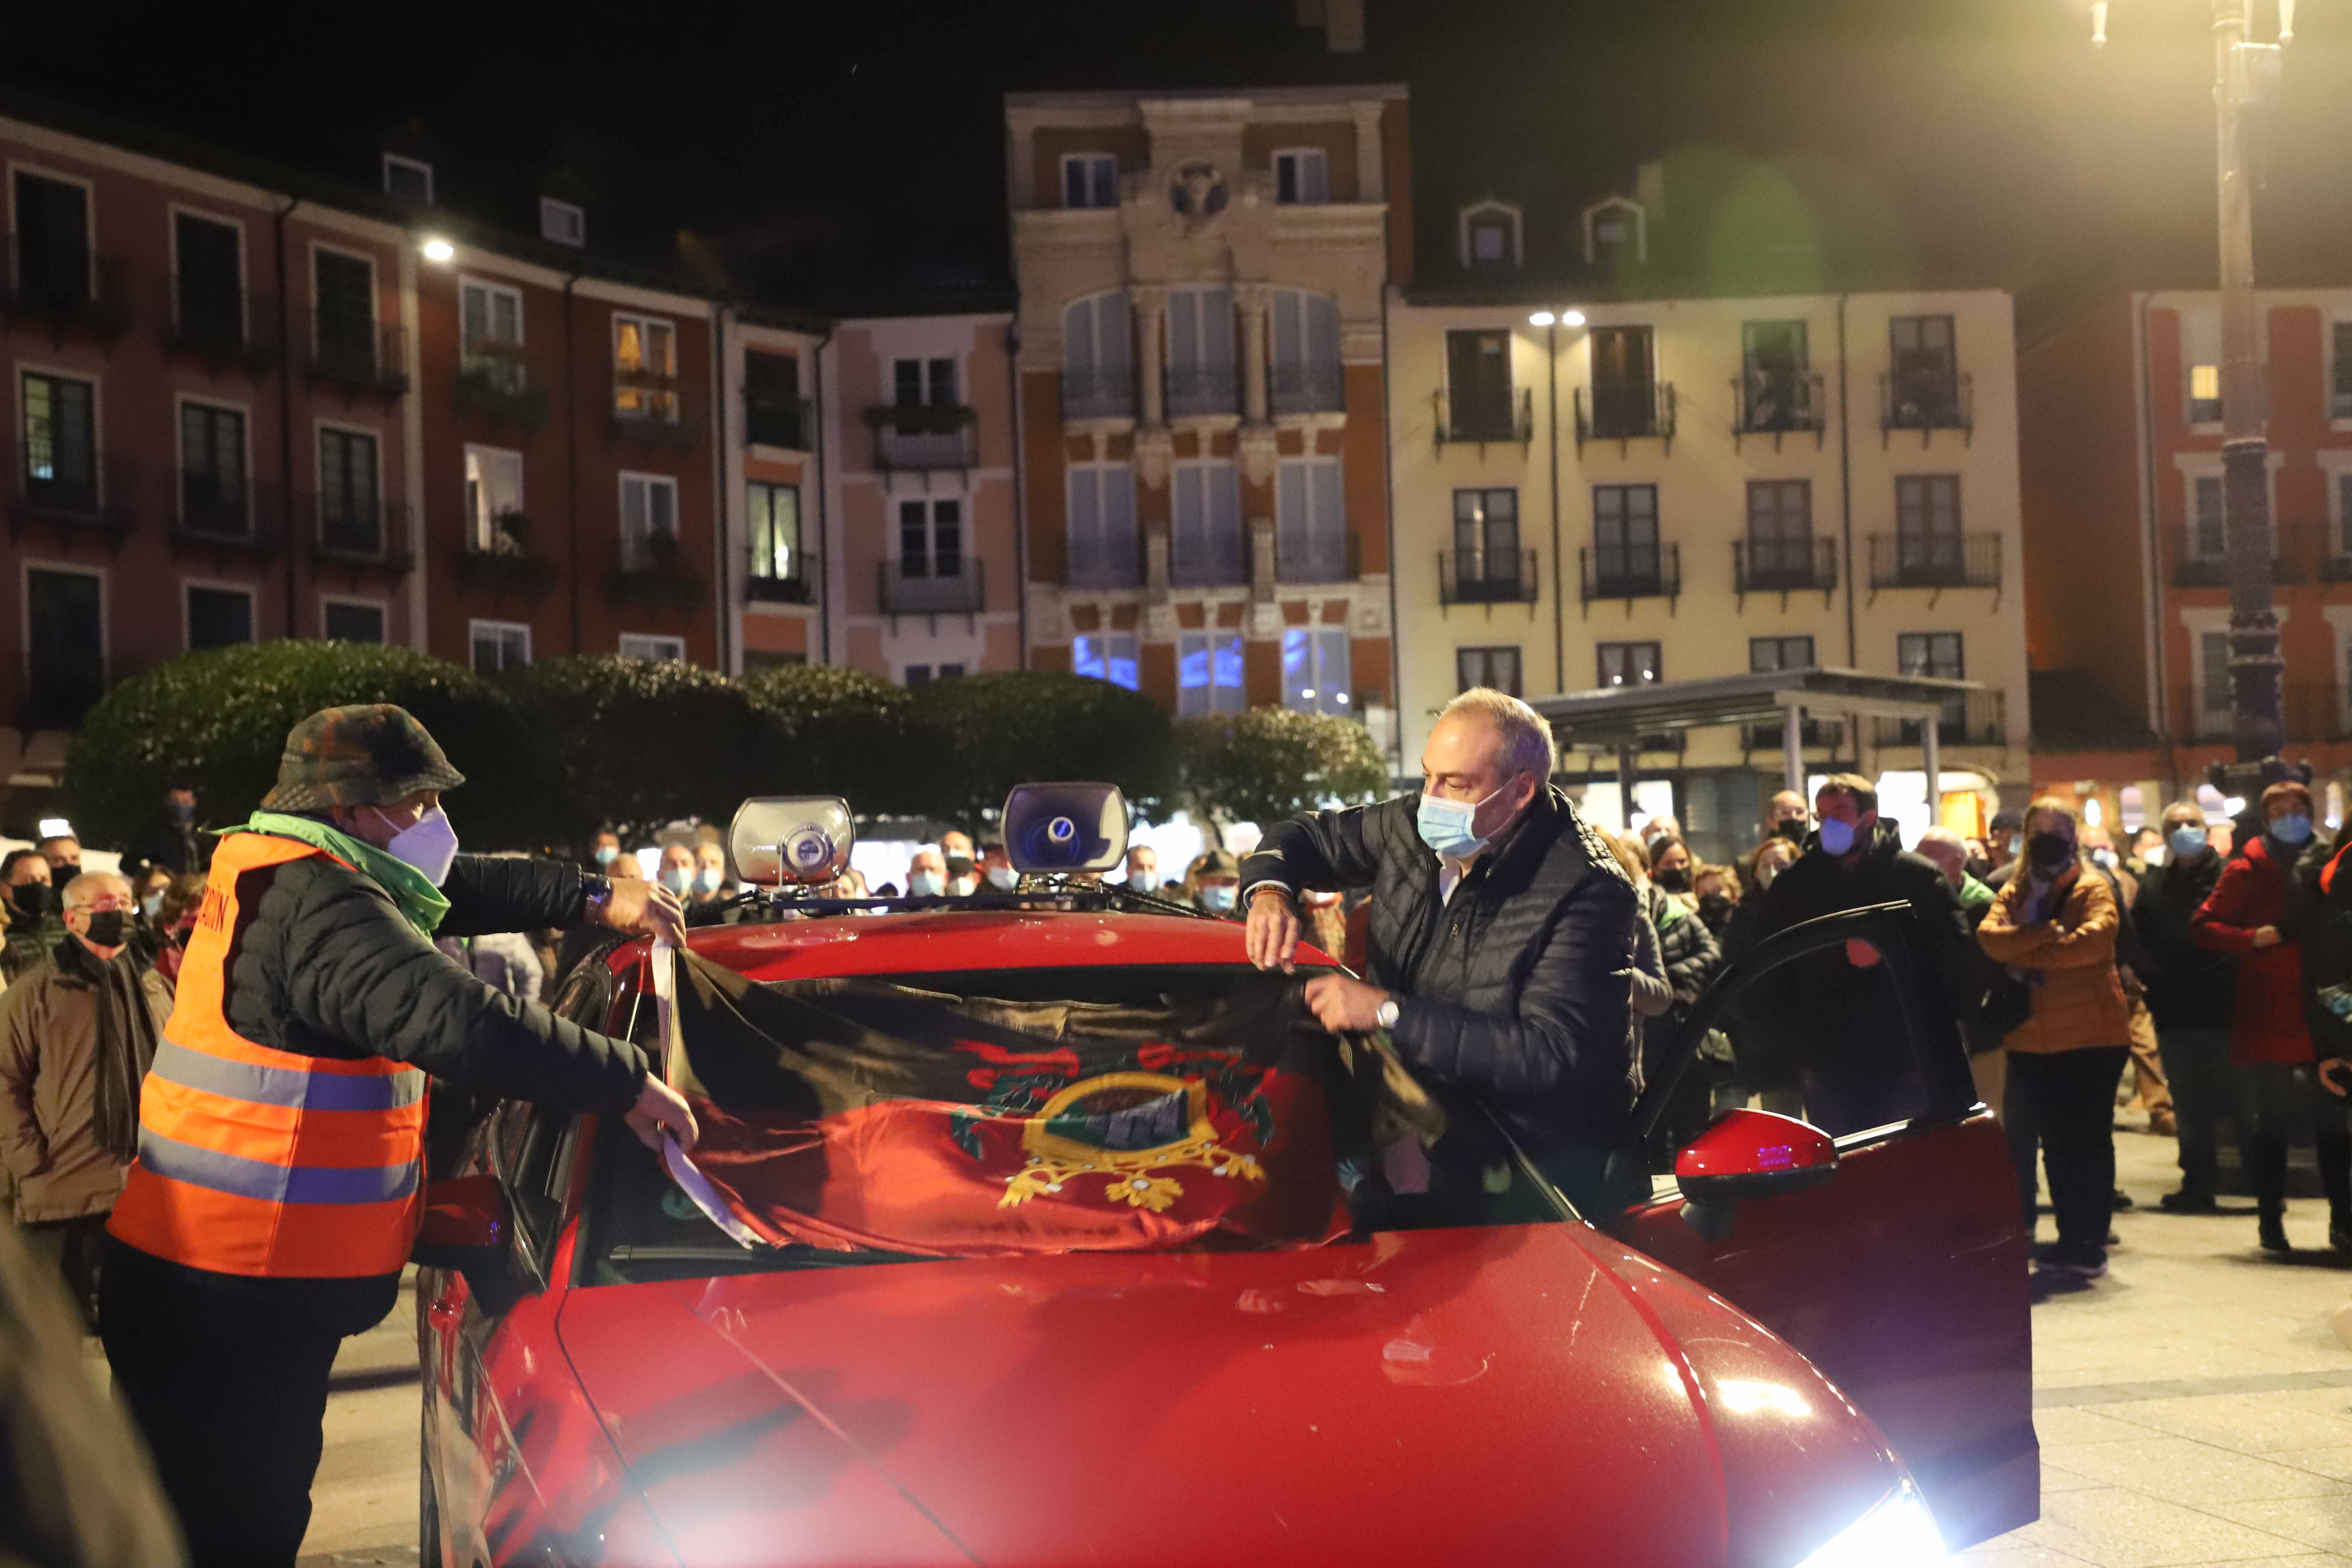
429 844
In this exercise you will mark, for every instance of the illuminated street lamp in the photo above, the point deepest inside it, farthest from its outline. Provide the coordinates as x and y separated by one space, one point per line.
2246 83
438 251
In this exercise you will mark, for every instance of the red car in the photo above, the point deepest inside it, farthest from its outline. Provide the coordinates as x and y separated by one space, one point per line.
1800 1351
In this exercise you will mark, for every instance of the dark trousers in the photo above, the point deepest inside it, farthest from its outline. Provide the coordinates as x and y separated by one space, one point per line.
230 1391
73 1247
2206 1092
2066 1101
2287 1100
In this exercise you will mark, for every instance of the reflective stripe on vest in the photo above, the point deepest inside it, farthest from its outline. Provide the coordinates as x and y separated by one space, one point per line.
260 1161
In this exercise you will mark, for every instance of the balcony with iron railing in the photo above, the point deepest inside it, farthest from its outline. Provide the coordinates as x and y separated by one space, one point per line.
1300 387
2200 557
357 534
652 570
1783 565
763 584
788 424
1626 411
648 408
1487 577
915 586
221 327
494 380
1935 560
1099 392
1975 719
1481 417
370 360
1325 555
1778 403
922 436
1201 391
77 494
229 514
1812 735
2309 712
1926 401
499 557
1630 571
67 290
1205 558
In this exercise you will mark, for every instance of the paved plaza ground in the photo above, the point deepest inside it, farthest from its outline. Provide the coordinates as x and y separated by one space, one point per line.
2194 1407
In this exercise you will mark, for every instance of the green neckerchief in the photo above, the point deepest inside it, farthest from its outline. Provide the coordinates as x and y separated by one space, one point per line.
1973 893
1670 910
417 898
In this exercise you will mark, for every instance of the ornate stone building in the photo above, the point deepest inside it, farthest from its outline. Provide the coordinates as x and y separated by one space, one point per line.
1204 466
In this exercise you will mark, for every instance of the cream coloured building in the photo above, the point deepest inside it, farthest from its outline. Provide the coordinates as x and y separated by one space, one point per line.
1670 487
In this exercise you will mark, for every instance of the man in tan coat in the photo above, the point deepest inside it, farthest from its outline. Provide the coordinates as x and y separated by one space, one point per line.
2054 926
77 1033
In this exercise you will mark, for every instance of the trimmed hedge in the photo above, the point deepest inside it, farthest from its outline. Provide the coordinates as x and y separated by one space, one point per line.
1015 726
828 729
218 722
1267 765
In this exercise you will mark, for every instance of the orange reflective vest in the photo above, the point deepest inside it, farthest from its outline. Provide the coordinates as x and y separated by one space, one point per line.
260 1161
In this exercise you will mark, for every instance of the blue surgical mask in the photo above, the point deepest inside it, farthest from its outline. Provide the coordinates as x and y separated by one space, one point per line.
1143 881
925 884
677 878
1218 899
1837 837
2293 828
707 880
1003 878
2016 845
1445 825
2186 841
152 905
2104 859
607 853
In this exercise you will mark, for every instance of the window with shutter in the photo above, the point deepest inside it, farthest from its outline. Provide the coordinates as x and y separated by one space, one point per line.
1310 521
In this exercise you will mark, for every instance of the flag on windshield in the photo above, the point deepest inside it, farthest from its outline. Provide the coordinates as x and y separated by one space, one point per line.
859 1113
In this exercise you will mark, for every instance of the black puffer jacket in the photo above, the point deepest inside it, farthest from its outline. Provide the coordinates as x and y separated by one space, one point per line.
2189 986
326 965
1515 990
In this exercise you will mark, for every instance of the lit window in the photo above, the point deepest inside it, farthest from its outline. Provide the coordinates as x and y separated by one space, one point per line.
645 368
1111 658
1208 673
1315 676
2204 393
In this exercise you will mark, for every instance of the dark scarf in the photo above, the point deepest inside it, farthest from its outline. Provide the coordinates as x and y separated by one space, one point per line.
126 1040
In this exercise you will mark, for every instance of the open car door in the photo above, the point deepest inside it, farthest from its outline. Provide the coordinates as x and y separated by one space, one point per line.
1904 1275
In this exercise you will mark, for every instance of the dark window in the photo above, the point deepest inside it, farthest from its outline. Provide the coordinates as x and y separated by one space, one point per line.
1926 369
52 242
775 524
2208 532
2344 513
757 659
1927 524
1768 655
916 383
919 675
1486 536
1625 400
930 538
65 656
1624 536
498 645
219 618
354 623
2213 663
345 288
60 443
1089 180
1776 391
212 468
1302 175
1478 382
1492 238
1779 531
209 282
410 179
349 515
1628 663
772 401
1497 668
1936 654
2340 402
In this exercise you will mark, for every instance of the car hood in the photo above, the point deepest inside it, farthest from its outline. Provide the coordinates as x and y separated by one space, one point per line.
1522 1395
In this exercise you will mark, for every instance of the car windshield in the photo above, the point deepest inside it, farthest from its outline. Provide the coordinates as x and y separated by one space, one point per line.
1030 1109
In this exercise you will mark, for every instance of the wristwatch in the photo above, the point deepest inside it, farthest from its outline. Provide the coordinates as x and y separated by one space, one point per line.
1385 1016
595 892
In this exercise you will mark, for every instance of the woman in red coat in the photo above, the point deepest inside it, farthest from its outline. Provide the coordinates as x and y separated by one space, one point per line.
2255 912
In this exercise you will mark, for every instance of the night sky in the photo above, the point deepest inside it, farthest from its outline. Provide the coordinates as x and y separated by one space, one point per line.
797 146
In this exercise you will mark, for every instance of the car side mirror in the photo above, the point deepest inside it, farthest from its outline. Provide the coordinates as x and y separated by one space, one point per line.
1749 1154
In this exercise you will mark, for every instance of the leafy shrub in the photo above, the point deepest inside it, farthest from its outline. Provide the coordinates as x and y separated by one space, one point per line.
1019 726
638 744
217 720
1270 763
828 729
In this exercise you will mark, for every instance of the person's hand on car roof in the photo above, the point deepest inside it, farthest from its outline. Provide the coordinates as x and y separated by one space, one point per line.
645 909
1272 934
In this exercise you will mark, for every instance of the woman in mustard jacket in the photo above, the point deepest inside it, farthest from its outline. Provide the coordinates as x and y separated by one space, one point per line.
2054 927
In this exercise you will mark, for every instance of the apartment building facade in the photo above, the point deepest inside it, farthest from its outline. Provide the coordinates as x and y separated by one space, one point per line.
1602 490
773 444
212 429
1203 444
2126 584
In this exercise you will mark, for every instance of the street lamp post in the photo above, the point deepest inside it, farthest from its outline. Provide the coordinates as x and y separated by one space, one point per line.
2246 79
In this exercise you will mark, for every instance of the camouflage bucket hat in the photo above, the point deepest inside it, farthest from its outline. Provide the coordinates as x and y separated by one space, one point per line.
371 754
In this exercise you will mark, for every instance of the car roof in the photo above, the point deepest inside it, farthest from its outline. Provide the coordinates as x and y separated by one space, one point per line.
935 941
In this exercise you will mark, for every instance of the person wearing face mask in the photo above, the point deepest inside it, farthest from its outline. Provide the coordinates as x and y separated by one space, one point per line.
1826 1018
963 875
2257 912
927 874
169 842
1499 938
2191 989
996 872
1143 868
277 1186
1788 817
34 928
605 851
77 1033
1670 869
175 923
2151 1092
2054 926
1987 1065
675 872
63 852
1216 883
